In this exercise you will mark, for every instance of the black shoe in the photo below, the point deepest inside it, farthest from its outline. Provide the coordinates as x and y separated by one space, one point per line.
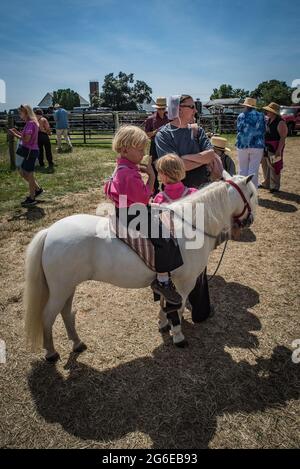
42 165
273 191
167 290
39 191
28 202
261 186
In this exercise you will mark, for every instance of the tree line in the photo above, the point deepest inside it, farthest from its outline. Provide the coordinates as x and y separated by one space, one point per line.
122 92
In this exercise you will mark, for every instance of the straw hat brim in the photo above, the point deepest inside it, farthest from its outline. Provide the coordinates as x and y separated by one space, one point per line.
267 108
249 105
156 106
220 148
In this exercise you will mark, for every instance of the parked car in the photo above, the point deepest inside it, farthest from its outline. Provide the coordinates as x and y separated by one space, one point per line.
291 115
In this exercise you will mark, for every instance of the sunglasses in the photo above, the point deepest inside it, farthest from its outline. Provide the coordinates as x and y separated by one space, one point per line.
191 106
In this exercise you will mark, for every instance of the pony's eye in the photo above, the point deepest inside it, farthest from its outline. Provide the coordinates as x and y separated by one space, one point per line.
251 195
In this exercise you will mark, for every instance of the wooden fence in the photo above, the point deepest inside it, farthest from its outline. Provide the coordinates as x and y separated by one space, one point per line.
98 128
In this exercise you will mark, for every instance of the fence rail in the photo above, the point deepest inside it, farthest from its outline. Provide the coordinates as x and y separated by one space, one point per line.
98 128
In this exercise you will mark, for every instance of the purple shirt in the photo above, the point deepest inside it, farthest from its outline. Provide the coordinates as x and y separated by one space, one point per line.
31 128
127 180
154 122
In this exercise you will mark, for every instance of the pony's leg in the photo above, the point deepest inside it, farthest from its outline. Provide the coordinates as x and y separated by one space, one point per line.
69 321
51 311
176 332
163 322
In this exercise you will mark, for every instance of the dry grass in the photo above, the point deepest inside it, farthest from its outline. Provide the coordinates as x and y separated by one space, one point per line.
234 386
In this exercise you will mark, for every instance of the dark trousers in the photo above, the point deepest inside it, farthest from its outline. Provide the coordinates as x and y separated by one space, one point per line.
44 142
154 155
199 299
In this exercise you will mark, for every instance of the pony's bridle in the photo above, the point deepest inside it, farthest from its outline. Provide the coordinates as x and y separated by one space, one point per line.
237 218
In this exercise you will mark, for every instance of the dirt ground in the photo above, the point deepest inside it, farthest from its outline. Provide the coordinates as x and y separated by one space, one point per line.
234 386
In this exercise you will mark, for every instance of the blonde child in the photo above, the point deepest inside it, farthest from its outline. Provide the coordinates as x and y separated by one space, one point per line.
130 142
171 172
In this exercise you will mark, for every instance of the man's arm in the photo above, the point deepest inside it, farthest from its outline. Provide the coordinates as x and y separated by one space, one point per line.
204 141
149 128
240 123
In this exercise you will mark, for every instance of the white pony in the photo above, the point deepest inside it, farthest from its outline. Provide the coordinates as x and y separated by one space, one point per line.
78 248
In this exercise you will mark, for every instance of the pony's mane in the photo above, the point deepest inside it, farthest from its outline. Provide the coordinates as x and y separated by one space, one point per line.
217 210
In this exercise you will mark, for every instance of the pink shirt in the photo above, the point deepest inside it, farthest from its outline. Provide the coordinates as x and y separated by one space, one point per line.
127 180
174 191
31 128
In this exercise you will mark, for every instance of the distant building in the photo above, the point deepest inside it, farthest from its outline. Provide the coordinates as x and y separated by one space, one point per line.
227 105
94 88
147 107
47 101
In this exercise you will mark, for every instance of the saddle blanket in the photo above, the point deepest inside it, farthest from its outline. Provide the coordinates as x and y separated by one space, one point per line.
142 246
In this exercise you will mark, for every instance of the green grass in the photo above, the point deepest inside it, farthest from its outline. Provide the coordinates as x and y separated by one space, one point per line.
81 170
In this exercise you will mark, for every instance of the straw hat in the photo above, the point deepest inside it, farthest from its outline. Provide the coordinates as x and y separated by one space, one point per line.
161 103
219 143
273 107
249 102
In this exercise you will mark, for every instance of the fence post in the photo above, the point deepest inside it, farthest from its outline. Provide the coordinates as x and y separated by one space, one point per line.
83 125
220 123
11 143
116 120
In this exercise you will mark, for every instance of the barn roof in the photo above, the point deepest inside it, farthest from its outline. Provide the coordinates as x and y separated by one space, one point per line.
47 101
224 102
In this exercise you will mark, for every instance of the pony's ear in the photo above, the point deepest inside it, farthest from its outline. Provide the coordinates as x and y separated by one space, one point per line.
249 178
225 175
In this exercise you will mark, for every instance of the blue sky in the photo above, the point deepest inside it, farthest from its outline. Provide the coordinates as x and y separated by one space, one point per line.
176 46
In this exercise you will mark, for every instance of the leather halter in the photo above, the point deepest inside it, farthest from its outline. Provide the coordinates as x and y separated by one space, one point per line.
248 220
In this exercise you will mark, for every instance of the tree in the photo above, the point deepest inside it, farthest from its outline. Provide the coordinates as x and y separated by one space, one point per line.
273 90
226 91
120 92
67 98
95 100
241 93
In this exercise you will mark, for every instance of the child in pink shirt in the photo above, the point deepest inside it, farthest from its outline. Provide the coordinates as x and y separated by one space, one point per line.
130 142
171 171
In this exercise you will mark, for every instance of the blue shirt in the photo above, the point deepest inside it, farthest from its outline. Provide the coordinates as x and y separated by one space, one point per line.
171 139
251 129
61 118
182 141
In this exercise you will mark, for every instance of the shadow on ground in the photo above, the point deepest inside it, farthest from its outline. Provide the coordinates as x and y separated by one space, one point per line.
174 396
276 205
32 214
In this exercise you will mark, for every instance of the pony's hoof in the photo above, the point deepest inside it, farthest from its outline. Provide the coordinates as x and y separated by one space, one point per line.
165 329
184 343
53 358
80 348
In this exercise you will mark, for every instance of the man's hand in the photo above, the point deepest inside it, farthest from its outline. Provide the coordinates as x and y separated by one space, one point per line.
207 156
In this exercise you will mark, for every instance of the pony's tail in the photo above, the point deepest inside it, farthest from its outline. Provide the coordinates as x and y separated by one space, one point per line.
36 291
